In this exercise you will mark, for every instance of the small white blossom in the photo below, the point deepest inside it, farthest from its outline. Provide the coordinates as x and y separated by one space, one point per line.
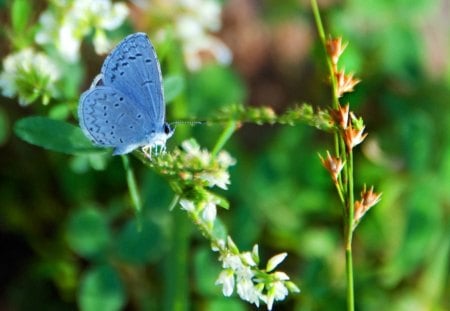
218 178
194 21
247 291
194 153
275 261
247 257
78 19
226 278
278 291
28 73
225 159
280 276
232 261
187 205
209 211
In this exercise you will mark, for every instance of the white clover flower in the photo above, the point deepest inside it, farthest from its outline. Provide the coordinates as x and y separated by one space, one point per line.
226 278
80 18
29 75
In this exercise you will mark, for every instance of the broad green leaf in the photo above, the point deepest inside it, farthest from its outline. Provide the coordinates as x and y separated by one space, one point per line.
173 86
88 233
101 289
54 135
140 246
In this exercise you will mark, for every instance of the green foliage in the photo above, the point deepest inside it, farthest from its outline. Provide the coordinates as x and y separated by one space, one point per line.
88 233
81 230
173 86
101 289
53 135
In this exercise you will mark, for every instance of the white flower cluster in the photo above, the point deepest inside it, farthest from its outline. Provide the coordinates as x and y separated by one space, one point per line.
240 270
29 74
70 21
193 27
218 176
195 20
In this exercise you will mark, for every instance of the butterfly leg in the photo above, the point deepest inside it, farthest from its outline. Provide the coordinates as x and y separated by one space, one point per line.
147 150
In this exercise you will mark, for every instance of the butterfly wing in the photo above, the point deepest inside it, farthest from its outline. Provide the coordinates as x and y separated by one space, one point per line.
111 119
133 68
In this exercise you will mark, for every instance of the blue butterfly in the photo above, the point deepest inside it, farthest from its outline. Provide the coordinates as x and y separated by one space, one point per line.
124 108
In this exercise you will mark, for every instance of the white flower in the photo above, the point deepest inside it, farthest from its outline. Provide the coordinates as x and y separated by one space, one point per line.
28 74
247 257
277 291
194 19
78 19
209 211
275 261
187 205
232 261
225 160
218 178
247 291
194 153
226 278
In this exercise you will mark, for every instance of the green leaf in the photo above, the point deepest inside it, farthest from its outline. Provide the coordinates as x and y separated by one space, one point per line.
101 289
173 86
88 233
140 246
54 135
20 15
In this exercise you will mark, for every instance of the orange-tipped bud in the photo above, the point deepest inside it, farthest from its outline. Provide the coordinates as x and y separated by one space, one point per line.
333 165
335 48
353 136
345 83
368 199
341 116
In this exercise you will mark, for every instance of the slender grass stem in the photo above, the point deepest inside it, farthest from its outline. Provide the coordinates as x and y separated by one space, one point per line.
133 189
345 183
226 134
322 37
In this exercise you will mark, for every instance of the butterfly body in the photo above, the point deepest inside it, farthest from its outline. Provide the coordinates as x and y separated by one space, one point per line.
124 108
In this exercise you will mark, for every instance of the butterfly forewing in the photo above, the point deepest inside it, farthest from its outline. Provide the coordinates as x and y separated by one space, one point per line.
133 68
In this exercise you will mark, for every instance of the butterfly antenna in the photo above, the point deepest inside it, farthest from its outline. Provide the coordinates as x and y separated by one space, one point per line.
188 122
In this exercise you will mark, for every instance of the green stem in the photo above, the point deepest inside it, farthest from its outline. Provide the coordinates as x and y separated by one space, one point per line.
349 234
176 270
345 183
133 189
322 37
226 134
349 271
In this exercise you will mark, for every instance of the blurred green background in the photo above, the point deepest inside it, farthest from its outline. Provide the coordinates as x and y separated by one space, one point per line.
68 235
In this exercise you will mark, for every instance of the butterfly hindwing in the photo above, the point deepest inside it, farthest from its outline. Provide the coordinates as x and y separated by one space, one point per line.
110 119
